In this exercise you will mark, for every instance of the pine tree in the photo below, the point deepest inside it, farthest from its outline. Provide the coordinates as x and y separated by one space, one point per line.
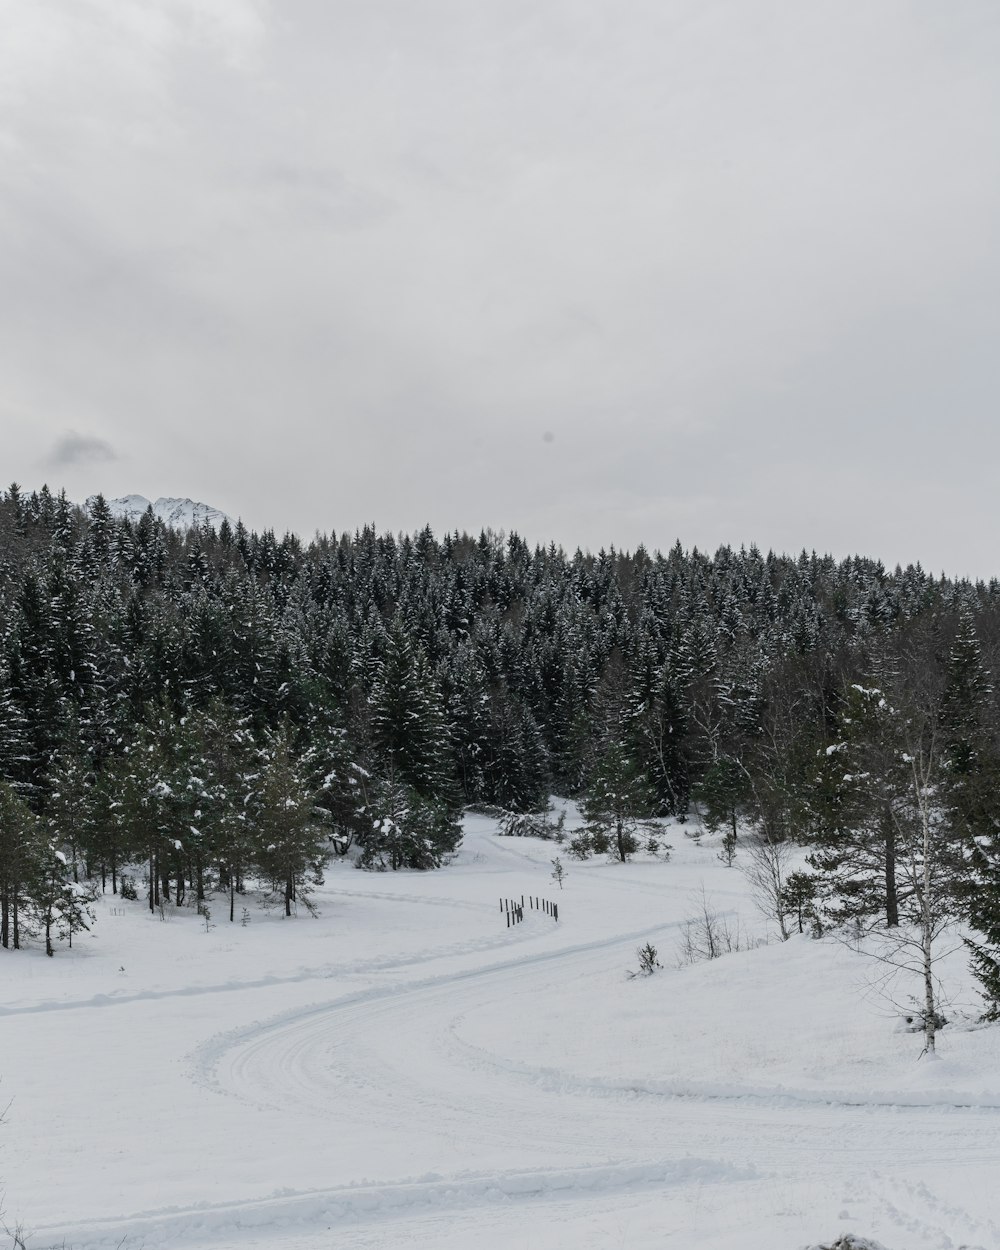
60 905
289 825
67 809
969 789
408 720
408 829
658 732
135 812
723 794
862 783
618 801
19 842
892 857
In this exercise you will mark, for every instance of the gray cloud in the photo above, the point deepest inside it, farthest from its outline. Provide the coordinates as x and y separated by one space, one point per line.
321 264
74 449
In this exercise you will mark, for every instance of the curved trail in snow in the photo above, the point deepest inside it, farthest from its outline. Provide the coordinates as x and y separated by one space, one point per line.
482 1128
344 1059
351 1060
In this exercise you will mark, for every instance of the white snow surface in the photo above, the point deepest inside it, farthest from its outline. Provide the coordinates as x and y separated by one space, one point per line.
179 514
406 1071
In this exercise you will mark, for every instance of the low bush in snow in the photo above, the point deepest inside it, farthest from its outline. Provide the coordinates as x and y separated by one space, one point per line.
849 1241
532 825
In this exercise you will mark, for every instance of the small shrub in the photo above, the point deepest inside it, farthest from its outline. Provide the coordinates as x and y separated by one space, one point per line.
850 1241
580 845
600 842
126 888
798 895
648 963
728 852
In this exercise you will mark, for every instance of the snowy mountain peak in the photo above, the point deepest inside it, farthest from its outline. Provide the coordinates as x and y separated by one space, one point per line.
178 514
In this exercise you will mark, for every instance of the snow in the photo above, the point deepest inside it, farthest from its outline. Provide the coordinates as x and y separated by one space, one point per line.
175 513
407 1071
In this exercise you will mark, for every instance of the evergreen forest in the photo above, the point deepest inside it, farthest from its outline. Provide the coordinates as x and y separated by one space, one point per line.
189 716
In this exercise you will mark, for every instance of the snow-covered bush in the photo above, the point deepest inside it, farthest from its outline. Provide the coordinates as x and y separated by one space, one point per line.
532 825
849 1241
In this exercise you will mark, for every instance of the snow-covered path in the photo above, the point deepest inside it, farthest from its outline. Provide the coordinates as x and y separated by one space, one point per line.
448 1082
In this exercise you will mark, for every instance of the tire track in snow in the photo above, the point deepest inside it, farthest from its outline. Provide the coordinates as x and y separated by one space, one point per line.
344 1059
325 972
554 1078
204 1061
345 1205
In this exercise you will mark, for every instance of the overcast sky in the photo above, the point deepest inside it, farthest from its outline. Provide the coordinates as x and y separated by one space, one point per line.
600 272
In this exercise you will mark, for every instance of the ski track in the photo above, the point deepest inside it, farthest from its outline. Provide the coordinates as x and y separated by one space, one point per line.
324 972
352 1204
587 1134
307 1060
206 1060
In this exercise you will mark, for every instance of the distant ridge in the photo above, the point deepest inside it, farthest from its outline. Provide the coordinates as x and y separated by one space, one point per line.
178 514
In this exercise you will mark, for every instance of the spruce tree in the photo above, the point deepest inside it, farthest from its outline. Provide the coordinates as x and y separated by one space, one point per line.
969 789
862 783
60 905
68 803
20 837
409 728
618 801
289 825
407 829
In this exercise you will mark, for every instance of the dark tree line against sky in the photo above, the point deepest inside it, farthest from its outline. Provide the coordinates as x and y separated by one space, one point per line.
214 708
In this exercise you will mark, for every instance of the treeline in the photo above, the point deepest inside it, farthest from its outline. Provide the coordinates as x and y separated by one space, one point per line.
400 677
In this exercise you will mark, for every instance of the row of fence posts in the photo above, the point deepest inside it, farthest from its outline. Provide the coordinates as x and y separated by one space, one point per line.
515 910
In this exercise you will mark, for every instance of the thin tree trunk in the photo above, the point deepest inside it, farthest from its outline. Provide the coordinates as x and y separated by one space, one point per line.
927 943
620 838
930 1009
891 892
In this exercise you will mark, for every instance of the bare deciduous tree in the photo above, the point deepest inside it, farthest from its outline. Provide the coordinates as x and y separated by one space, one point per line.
765 865
708 934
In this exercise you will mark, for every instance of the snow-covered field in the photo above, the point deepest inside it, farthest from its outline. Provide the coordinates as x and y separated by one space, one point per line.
406 1071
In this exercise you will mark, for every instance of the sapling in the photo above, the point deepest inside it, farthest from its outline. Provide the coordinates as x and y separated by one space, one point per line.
648 962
